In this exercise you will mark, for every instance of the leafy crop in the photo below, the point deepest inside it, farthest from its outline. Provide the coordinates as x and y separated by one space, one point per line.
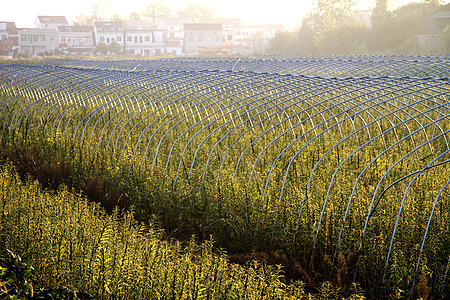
347 176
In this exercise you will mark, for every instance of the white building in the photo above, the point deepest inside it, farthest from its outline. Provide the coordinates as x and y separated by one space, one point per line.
229 27
254 39
107 32
76 39
202 38
142 39
173 32
38 42
50 22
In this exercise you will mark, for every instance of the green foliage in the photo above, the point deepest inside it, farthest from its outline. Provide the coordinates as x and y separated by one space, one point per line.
331 29
349 38
444 41
112 256
155 11
328 15
240 219
15 276
114 47
101 48
380 13
196 12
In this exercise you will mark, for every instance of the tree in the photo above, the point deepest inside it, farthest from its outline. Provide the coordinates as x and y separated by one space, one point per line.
101 48
403 24
114 47
102 10
444 41
134 16
380 13
84 19
328 15
196 12
155 11
348 38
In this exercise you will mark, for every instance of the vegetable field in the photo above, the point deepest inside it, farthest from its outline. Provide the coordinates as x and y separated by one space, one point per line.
339 163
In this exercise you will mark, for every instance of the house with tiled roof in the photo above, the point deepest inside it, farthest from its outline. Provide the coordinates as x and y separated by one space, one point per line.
50 22
142 39
107 32
34 41
202 38
8 38
229 27
173 34
76 39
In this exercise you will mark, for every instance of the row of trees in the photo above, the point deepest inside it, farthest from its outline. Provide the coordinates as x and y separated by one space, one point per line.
153 13
333 29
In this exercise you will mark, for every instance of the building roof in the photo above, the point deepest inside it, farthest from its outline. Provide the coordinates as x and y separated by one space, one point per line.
224 21
52 19
109 25
76 28
175 21
138 24
202 26
9 26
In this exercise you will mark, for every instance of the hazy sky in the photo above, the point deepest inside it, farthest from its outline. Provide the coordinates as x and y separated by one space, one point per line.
287 12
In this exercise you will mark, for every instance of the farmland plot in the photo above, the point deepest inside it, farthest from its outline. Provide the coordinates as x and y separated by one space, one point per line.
340 173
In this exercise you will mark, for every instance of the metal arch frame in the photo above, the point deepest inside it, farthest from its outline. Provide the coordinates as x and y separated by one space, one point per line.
368 165
289 99
13 99
401 206
426 233
370 141
193 105
328 66
144 104
226 122
162 98
350 135
330 108
220 110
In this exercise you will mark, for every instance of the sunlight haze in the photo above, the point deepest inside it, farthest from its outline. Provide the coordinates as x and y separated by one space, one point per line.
257 12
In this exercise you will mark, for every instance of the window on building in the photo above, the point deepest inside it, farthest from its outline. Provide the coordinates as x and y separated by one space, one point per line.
200 38
38 38
129 38
119 38
140 39
229 37
135 39
69 40
147 38
108 40
102 39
